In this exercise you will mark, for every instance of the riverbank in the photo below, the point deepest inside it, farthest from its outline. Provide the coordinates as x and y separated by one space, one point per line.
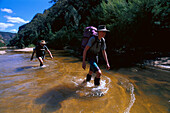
13 47
2 52
24 50
160 62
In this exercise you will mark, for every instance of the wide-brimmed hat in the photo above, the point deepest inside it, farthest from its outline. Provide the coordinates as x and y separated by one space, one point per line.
43 42
102 28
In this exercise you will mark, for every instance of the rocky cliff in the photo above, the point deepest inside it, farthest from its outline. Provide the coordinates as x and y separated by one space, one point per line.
6 36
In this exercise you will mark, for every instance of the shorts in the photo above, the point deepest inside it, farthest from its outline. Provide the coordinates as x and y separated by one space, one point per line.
93 64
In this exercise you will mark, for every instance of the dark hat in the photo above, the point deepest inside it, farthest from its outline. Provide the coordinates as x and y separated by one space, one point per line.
102 28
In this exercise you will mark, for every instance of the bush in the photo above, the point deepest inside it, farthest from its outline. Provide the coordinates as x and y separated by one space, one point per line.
31 45
132 24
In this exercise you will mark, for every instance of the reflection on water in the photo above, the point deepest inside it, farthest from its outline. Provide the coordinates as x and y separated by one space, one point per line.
25 87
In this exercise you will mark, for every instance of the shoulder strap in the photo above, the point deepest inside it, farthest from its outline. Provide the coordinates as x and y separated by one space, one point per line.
94 41
102 41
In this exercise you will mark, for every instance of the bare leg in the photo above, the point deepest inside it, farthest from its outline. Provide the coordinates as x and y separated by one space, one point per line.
41 61
90 72
99 73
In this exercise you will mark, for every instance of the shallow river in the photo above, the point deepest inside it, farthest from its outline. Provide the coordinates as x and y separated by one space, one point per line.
27 88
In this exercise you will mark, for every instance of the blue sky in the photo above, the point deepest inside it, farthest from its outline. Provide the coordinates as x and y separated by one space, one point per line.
14 13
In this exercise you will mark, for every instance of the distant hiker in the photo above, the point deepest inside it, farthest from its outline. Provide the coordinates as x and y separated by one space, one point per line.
40 52
94 46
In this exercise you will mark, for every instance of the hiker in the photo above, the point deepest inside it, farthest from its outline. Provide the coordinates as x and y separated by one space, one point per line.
40 52
91 51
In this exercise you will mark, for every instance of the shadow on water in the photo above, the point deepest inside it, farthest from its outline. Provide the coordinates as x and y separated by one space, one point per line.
53 97
19 69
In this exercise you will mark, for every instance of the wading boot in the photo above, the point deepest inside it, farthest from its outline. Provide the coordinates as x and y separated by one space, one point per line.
41 64
97 81
88 78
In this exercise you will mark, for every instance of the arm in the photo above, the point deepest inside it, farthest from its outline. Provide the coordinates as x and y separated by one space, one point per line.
46 48
50 54
84 57
32 54
106 59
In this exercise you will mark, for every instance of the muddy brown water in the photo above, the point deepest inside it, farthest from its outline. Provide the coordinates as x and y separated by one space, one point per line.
27 88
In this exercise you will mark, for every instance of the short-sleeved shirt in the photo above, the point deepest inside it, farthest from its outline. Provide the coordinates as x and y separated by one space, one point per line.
40 50
96 46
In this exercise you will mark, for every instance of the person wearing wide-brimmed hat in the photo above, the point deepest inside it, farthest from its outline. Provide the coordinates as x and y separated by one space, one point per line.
93 47
40 52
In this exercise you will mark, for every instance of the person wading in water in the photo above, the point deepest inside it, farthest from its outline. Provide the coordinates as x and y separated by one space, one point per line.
91 51
40 52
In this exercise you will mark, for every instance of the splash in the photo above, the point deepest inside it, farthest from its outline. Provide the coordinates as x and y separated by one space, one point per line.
40 67
129 87
132 100
90 90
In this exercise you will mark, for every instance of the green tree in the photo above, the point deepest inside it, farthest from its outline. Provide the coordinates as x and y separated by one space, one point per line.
132 23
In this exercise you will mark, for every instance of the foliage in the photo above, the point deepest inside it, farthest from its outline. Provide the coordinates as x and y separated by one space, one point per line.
53 1
136 24
133 24
31 45
1 44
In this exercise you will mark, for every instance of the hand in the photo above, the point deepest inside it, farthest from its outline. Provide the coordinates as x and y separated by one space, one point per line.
108 67
84 65
51 57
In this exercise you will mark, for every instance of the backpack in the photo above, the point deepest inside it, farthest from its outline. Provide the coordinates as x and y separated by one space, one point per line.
88 32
